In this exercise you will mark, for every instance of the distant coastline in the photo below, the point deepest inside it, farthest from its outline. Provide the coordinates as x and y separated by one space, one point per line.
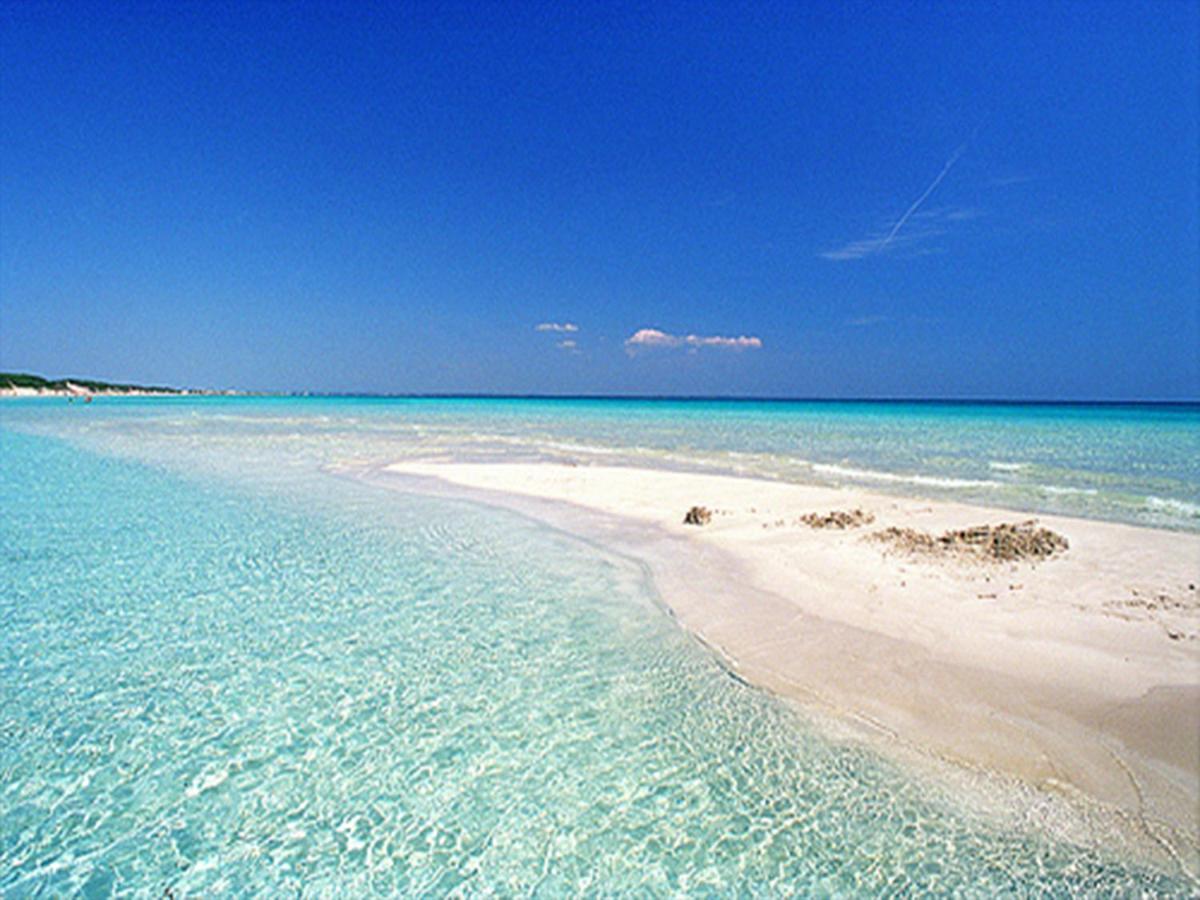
23 384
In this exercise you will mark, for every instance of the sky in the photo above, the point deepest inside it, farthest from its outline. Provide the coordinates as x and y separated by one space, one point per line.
959 200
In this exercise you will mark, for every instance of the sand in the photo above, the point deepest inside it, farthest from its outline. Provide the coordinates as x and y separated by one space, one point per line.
76 390
1078 674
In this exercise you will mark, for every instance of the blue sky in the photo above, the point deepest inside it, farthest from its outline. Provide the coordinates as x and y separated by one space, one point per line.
883 199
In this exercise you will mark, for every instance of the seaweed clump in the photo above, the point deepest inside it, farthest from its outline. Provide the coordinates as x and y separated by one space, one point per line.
1006 542
839 519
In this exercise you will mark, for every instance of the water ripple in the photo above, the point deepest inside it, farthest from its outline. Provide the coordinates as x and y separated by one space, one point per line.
318 688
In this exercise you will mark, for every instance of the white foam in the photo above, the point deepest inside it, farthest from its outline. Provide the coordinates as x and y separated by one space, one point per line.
924 480
577 448
1055 489
1176 507
1007 466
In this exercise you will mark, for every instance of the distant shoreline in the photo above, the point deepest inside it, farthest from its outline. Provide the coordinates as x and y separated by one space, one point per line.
25 384
71 393
22 384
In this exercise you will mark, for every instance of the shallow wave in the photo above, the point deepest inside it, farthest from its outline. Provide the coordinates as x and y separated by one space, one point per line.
1173 506
1001 466
1067 491
576 448
1133 469
923 480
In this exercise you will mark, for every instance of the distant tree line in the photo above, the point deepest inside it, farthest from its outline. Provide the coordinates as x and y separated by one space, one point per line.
37 382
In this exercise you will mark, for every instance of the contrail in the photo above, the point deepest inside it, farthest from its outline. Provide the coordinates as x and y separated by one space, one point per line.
929 190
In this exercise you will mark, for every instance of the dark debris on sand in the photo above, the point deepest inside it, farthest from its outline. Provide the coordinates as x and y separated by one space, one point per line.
1006 542
838 518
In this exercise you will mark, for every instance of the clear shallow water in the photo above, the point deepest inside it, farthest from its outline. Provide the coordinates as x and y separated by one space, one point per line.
1130 463
263 679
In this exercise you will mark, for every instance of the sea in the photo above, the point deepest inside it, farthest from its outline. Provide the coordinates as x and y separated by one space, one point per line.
228 669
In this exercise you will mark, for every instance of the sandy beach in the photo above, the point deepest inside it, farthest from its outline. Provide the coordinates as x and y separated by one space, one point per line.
74 390
1078 673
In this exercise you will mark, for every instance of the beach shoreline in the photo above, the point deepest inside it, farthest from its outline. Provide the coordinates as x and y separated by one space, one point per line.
1077 675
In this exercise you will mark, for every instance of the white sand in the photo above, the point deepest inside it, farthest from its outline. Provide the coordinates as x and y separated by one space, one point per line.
1078 674
77 390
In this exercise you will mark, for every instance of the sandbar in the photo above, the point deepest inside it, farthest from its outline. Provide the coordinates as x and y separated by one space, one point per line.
1078 674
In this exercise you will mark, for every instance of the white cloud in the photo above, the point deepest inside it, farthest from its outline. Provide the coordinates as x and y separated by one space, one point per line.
567 345
562 327
725 343
652 337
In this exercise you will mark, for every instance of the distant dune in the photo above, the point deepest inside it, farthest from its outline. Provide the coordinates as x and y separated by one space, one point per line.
22 384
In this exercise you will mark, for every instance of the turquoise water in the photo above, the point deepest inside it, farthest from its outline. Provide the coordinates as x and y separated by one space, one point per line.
223 670
1129 463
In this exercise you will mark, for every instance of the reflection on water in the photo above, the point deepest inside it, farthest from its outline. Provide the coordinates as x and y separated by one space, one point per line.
215 687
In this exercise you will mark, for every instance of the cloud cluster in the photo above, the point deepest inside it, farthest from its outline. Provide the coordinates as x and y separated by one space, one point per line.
652 337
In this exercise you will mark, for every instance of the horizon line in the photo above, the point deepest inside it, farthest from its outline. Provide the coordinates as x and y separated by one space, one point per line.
456 395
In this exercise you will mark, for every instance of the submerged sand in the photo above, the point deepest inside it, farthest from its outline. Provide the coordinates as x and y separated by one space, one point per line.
1078 673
